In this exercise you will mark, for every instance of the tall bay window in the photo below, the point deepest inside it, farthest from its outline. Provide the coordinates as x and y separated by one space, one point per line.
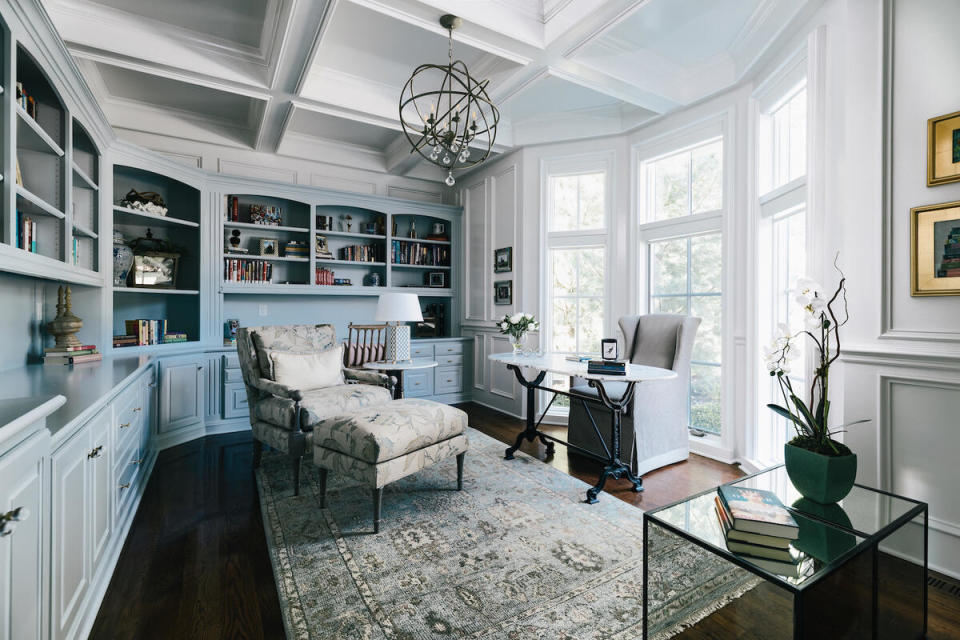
575 262
682 213
782 250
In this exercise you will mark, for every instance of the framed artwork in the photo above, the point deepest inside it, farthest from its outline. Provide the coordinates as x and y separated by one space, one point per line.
935 250
503 260
943 149
155 269
321 248
268 247
608 349
503 292
435 279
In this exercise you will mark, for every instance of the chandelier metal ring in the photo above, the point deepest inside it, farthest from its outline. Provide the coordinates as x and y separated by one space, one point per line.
459 128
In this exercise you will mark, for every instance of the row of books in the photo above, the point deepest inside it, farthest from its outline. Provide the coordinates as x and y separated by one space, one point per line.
60 356
756 524
328 277
361 253
26 101
607 367
26 233
950 265
147 331
429 255
239 270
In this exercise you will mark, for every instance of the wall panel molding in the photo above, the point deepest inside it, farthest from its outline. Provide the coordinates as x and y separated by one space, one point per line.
248 170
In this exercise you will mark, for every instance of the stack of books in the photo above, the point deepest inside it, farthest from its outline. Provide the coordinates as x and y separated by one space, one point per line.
607 367
756 524
296 249
125 340
174 336
71 355
26 233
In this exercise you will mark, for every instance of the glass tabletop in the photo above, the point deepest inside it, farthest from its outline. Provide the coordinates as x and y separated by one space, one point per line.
828 535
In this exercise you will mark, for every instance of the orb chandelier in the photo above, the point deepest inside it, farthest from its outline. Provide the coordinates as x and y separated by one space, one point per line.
452 123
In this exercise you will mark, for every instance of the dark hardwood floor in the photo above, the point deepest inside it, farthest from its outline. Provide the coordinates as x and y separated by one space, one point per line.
195 562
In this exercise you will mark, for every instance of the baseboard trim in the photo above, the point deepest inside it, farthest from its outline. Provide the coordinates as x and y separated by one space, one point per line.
490 406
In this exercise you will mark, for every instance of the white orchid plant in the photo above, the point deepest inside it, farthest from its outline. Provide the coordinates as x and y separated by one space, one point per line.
518 324
822 319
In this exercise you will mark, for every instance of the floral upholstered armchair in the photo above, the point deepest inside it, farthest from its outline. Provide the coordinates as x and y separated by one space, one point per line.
283 416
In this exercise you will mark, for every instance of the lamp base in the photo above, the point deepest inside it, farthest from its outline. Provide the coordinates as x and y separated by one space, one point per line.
398 344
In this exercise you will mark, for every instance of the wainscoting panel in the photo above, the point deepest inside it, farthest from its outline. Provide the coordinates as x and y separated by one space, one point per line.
502 380
342 184
420 195
248 170
480 362
476 285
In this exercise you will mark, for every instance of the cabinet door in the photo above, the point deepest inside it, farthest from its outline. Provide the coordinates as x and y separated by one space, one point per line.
98 467
213 391
21 545
181 393
70 525
149 402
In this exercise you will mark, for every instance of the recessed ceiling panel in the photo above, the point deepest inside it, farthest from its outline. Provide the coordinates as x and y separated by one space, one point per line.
321 125
551 95
239 21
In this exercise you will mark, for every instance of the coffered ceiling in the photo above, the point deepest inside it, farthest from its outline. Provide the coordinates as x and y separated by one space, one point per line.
321 79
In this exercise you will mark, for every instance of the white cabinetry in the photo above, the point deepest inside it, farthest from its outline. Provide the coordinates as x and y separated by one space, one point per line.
181 393
21 541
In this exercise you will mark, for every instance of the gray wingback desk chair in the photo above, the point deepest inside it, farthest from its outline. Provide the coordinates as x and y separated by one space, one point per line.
654 431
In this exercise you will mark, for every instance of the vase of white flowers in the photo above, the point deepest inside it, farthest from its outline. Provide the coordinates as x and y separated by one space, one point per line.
516 327
821 468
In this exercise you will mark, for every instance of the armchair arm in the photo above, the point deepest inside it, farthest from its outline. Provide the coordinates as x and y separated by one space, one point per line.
363 376
277 389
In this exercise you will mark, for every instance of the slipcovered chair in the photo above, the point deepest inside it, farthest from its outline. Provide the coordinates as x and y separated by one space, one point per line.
654 429
284 417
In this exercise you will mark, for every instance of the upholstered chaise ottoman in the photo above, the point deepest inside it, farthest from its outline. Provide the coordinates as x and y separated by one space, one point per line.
377 445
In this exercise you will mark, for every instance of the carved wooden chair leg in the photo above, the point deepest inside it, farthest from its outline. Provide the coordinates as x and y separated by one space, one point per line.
257 453
460 457
323 488
377 504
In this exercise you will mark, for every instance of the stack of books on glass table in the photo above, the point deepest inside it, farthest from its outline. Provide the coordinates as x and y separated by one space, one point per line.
756 524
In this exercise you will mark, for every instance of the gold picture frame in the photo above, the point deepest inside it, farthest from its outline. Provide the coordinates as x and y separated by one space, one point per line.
934 263
943 149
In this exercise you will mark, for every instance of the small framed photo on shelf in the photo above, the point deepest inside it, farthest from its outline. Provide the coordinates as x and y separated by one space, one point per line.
608 349
321 248
503 260
935 250
503 292
943 149
155 270
436 279
268 247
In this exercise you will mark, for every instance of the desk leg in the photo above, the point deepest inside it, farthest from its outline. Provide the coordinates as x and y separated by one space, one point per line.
530 432
614 468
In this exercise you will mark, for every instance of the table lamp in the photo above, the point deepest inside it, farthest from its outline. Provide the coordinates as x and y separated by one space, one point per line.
394 308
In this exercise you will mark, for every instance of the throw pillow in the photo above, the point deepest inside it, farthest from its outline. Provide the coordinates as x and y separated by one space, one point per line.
307 371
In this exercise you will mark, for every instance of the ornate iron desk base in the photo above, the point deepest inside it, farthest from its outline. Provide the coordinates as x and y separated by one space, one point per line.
613 467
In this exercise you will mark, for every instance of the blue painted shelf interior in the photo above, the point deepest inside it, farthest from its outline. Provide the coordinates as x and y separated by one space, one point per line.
258 239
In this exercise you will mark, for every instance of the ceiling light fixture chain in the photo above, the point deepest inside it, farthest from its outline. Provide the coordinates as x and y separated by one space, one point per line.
461 135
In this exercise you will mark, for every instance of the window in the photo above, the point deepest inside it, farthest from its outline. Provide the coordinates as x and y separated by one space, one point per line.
685 278
782 250
685 183
575 269
684 254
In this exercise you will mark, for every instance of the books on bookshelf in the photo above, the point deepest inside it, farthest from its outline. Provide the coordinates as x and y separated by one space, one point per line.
607 367
59 356
296 249
146 332
26 233
361 253
240 270
26 101
416 253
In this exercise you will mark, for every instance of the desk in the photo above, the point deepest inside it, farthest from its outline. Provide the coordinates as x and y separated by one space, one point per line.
396 370
558 363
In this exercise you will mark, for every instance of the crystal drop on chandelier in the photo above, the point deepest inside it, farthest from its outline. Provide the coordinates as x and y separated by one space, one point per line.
444 112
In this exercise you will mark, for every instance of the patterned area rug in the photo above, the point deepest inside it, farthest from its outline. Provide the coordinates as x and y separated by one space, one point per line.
515 555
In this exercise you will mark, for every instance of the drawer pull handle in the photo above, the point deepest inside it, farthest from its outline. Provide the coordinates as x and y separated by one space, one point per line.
8 520
151 384
125 485
124 425
138 461
449 380
95 453
137 409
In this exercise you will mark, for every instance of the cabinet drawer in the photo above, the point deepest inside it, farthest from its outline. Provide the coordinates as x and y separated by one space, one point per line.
421 350
125 488
446 348
417 384
232 375
231 361
235 401
449 360
448 380
128 406
126 451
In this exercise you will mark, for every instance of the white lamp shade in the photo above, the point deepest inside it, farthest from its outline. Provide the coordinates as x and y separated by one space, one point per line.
398 307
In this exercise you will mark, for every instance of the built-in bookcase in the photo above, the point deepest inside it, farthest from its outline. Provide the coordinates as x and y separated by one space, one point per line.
264 246
179 306
356 241
85 202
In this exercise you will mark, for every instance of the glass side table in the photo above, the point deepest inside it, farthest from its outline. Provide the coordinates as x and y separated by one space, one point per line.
862 574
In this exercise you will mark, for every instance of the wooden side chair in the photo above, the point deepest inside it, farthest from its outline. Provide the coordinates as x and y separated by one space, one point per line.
365 343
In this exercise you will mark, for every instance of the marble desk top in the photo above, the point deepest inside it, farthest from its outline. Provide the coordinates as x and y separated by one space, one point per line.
558 363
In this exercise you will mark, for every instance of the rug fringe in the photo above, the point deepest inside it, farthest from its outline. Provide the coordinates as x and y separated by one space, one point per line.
706 611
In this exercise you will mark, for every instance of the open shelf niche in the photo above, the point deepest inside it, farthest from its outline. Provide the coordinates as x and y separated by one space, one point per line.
39 224
85 202
356 248
266 241
180 228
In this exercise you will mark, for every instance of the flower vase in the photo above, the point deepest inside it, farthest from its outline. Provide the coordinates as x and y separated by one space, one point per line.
517 343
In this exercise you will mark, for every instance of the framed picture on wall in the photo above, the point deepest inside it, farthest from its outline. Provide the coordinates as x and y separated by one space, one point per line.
503 260
935 250
943 149
503 292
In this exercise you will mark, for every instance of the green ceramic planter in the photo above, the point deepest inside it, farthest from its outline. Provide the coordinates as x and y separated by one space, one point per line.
823 479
